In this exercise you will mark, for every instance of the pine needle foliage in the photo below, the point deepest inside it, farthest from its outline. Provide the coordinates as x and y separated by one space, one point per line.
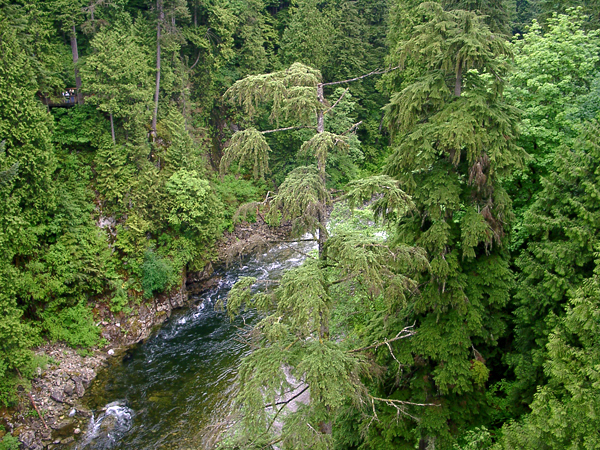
295 346
565 411
8 174
249 147
563 224
322 144
453 42
291 93
454 140
388 201
301 198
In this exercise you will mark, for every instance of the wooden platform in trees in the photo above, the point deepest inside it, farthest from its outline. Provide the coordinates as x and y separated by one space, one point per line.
65 99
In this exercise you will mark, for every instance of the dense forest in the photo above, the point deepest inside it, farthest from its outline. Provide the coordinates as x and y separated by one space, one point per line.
445 156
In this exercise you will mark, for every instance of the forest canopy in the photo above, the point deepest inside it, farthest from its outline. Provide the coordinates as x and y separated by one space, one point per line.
444 156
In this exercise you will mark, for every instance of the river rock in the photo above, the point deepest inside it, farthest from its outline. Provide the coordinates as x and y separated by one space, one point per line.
29 441
58 395
79 389
68 440
46 435
84 413
69 388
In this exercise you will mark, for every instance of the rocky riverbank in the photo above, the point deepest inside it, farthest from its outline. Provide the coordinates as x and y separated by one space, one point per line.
51 414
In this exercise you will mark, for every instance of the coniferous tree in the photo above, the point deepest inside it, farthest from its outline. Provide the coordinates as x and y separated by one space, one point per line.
70 15
117 75
455 139
296 94
295 341
26 197
562 225
557 327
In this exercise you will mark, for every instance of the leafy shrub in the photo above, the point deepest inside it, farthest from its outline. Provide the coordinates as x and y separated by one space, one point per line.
73 325
120 299
9 442
234 192
157 273
195 209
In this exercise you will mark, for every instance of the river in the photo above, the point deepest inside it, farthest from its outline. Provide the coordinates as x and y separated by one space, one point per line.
173 390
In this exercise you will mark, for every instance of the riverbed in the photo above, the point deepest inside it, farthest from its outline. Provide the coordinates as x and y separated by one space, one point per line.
175 390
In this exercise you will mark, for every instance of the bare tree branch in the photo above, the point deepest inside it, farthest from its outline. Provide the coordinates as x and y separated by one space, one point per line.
337 101
375 72
402 402
353 127
403 333
290 399
285 129
399 406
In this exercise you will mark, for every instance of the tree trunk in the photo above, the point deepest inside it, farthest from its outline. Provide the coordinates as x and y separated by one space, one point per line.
75 59
320 115
323 235
159 9
112 127
458 83
324 427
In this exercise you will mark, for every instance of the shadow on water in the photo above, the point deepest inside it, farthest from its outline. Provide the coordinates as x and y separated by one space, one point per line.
166 392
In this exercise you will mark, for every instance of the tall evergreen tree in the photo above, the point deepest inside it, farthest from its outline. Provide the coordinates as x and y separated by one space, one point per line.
297 349
69 14
117 75
562 225
559 329
295 94
455 138
26 197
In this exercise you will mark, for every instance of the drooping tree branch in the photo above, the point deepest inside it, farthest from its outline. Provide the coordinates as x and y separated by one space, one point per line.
196 62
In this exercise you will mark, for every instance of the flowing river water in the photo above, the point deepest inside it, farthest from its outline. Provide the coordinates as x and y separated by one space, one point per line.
172 391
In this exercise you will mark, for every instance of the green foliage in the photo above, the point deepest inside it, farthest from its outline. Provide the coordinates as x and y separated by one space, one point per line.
476 439
301 199
562 225
551 82
388 201
291 93
9 442
233 192
309 35
250 148
73 325
564 411
195 205
321 145
26 198
86 218
304 320
455 139
157 273
117 73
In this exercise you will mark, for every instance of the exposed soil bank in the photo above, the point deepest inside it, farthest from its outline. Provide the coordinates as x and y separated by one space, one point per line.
57 390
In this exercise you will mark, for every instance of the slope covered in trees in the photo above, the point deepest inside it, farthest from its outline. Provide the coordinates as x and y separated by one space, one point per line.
452 303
